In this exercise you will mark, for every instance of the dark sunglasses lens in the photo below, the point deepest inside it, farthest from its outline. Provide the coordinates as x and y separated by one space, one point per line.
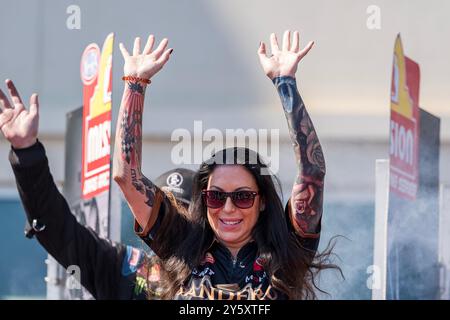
214 199
244 199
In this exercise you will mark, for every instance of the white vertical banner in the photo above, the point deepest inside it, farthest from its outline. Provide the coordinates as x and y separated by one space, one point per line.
378 278
444 241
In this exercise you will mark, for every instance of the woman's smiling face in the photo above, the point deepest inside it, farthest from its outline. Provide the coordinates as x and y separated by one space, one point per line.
232 225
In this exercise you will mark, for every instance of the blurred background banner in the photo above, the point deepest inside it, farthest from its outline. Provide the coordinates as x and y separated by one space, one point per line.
413 214
214 76
404 127
96 75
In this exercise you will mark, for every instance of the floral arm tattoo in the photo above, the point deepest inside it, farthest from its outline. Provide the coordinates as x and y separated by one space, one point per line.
130 135
307 192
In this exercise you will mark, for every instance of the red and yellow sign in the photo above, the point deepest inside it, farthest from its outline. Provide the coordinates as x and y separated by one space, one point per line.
96 75
404 125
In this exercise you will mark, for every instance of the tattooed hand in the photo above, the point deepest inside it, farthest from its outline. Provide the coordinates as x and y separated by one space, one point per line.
282 62
148 63
18 125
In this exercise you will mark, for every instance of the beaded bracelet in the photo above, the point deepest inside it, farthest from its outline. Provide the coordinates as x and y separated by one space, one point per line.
133 78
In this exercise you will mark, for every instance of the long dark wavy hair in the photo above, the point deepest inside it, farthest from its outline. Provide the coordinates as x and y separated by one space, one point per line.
292 269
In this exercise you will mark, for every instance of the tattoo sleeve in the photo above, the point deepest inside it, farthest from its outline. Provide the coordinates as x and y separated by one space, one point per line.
307 192
138 190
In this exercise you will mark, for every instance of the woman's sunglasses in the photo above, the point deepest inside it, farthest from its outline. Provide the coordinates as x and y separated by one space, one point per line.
216 199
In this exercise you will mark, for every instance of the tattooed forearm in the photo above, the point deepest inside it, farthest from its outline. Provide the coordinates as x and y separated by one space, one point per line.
130 141
144 186
131 124
307 192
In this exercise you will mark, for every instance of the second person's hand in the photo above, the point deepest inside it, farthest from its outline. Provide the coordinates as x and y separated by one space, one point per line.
17 124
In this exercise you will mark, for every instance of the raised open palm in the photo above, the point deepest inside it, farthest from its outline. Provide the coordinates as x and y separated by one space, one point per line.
148 63
284 61
18 125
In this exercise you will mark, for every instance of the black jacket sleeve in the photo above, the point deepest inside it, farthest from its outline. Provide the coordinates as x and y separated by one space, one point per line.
163 237
70 243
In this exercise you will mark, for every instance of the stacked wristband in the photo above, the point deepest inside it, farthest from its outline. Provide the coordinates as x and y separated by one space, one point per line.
133 78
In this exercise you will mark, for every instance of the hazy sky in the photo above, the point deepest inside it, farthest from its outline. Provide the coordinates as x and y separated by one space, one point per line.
214 67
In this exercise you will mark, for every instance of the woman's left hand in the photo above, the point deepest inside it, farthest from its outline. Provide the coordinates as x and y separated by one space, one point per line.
284 61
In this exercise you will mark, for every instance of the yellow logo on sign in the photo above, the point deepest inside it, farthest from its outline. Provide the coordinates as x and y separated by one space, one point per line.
400 98
101 99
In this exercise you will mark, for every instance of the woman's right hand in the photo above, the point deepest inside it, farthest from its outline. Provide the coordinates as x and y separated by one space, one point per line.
18 125
284 61
147 63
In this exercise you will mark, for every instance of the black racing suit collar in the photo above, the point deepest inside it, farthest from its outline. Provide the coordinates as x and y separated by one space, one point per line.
243 251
